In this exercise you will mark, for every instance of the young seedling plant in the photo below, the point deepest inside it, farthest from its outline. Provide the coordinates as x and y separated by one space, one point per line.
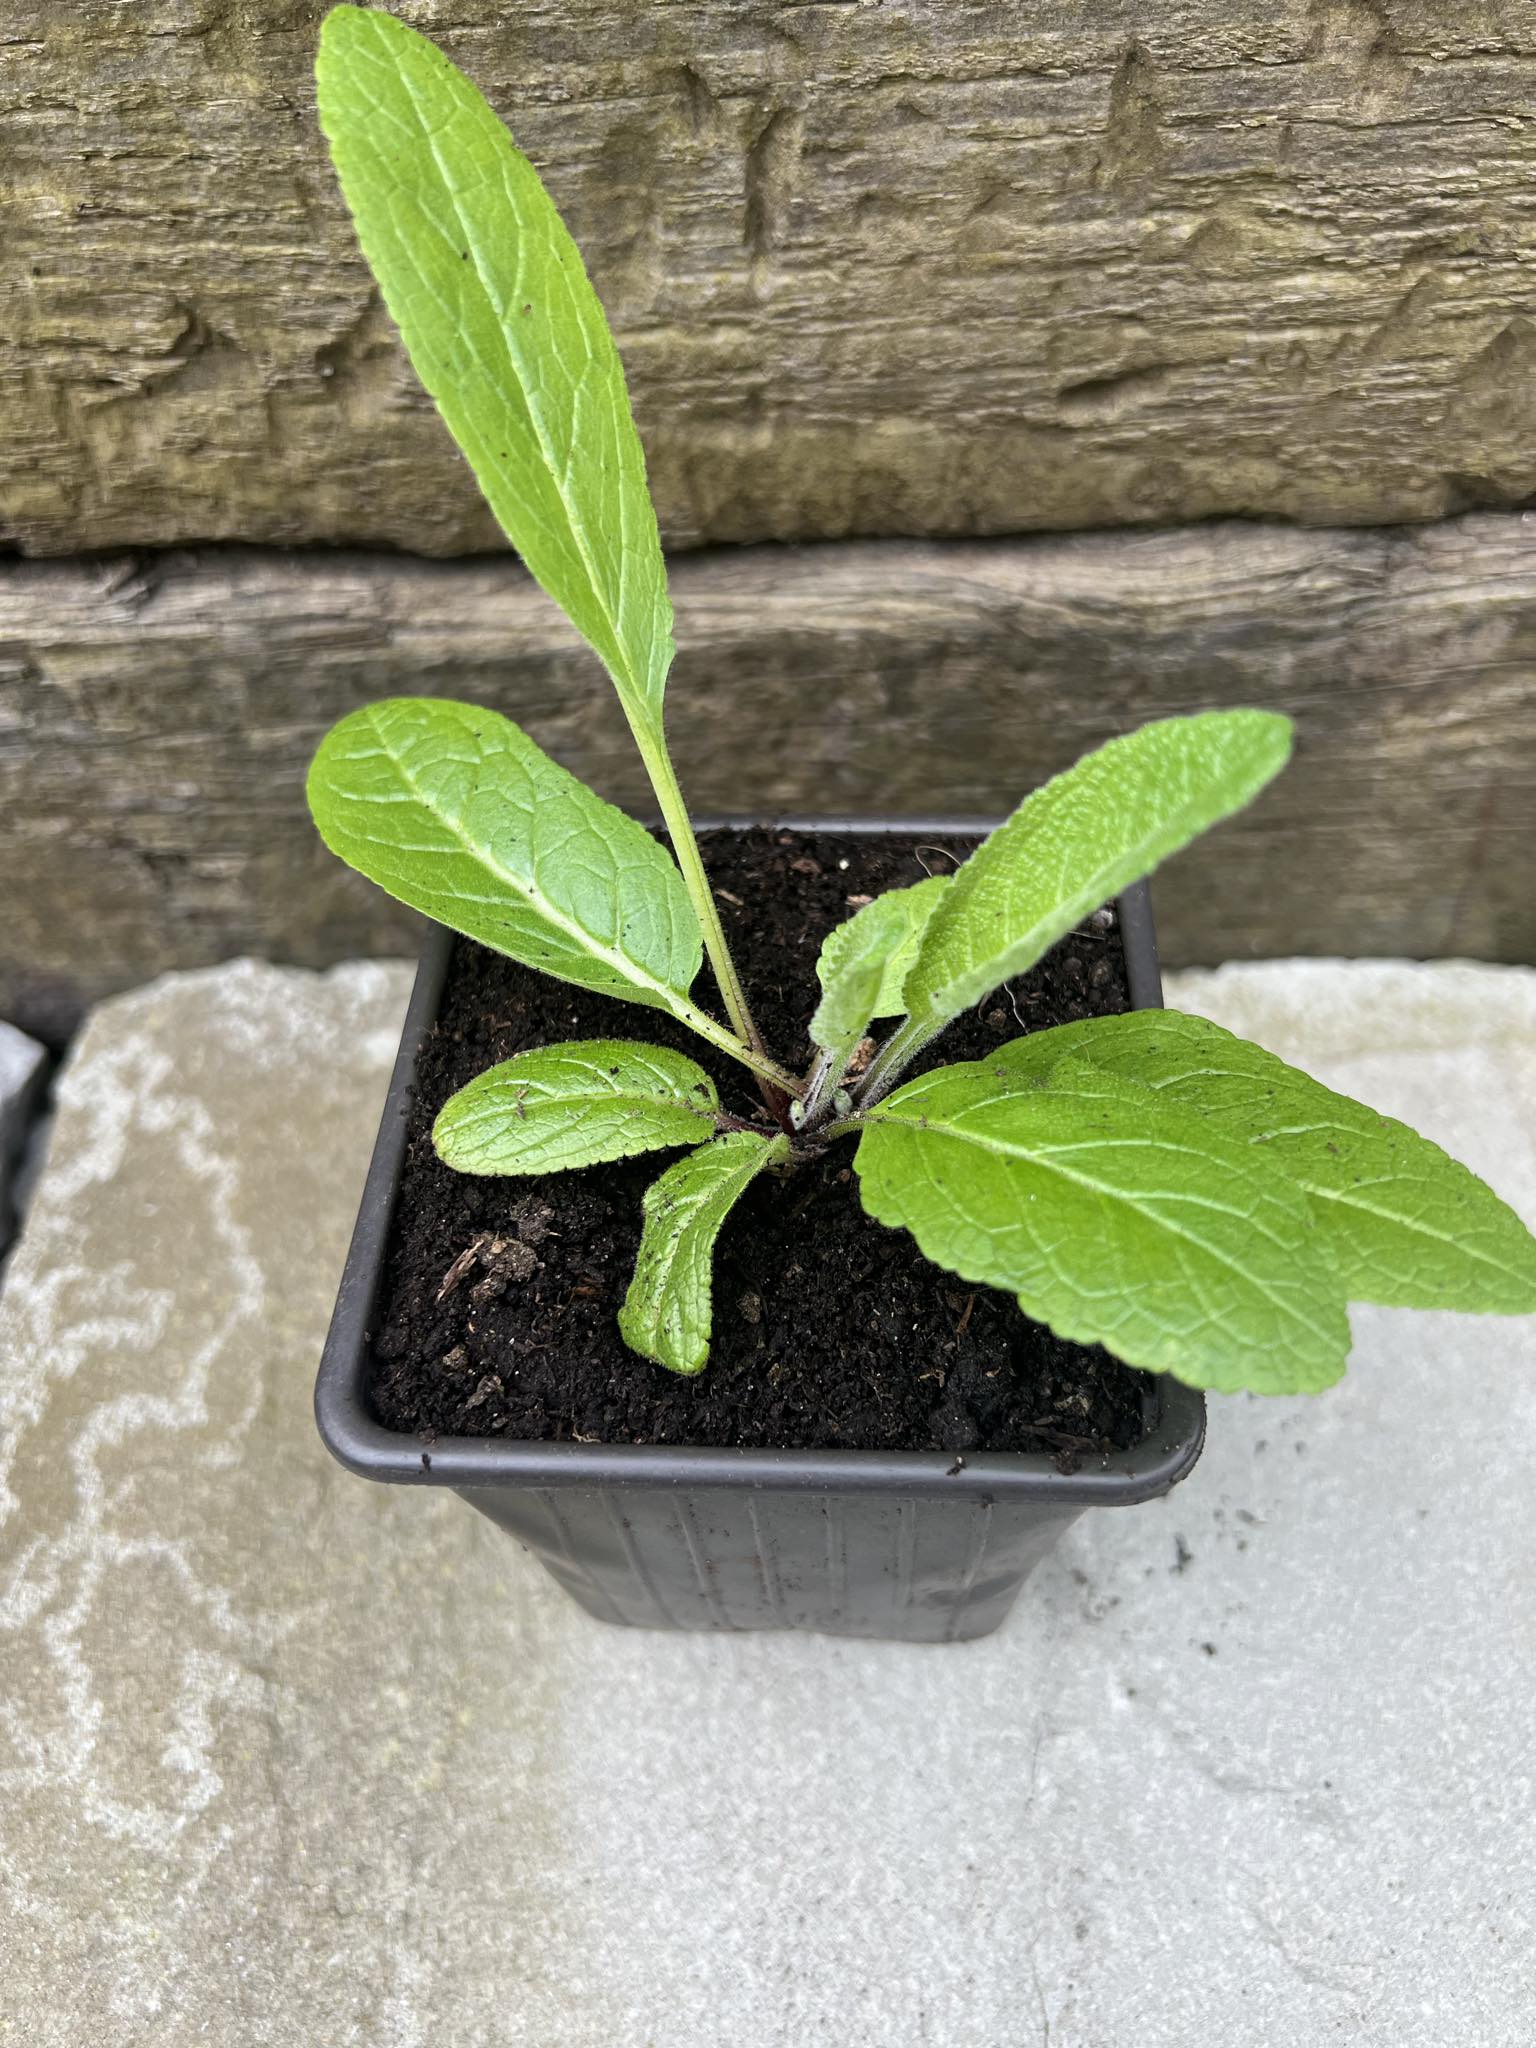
1146 1182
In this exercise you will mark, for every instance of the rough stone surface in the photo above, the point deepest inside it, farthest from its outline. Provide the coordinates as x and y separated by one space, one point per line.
285 1757
156 719
938 267
23 1065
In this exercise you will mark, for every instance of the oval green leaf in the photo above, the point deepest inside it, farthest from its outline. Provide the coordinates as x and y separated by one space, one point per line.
667 1312
1407 1225
456 812
576 1104
1114 1217
505 331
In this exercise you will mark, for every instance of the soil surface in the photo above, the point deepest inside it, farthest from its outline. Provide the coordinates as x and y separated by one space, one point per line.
830 1331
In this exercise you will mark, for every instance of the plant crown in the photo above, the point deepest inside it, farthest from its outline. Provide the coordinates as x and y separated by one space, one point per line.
1146 1182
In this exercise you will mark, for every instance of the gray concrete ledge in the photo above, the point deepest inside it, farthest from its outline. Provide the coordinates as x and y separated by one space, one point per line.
285 1758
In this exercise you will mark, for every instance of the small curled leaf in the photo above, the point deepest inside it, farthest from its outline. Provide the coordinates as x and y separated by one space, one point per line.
864 963
667 1313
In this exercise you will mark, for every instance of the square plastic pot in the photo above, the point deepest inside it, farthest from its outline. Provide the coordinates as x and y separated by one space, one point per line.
914 1546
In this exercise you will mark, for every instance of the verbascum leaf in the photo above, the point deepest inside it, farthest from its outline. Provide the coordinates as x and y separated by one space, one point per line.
667 1312
1116 1218
456 812
505 331
1080 839
575 1104
864 963
1406 1225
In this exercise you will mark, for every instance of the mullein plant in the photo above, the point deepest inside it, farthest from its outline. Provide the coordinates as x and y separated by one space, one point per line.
1147 1182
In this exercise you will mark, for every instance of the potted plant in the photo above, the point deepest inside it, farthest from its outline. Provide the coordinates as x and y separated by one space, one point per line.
992 1149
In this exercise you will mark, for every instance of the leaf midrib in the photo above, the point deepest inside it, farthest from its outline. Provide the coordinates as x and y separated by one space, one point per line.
626 969
956 904
605 1105
574 523
1456 1244
939 1124
1345 1197
679 1249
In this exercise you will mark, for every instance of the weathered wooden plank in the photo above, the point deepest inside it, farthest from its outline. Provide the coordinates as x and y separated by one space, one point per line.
942 267
156 716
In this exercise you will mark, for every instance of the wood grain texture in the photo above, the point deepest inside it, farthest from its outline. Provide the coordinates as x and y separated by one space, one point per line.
943 267
157 714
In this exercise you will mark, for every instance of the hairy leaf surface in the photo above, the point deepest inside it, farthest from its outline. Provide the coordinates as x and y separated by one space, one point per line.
1116 1218
505 331
1405 1223
667 1312
575 1104
864 963
456 812
1078 840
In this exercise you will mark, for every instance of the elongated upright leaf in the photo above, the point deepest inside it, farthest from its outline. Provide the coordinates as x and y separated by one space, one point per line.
505 331
575 1104
1116 1218
456 812
667 1312
864 963
1405 1223
1076 841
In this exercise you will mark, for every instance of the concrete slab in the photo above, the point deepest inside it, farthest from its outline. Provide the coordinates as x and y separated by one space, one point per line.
285 1758
23 1065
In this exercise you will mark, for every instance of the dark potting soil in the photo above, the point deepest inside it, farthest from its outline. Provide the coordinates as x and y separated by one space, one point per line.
830 1331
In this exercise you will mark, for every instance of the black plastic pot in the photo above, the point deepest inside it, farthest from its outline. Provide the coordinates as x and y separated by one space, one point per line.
916 1546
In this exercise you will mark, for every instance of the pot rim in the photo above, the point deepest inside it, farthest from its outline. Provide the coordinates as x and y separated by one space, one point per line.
353 1434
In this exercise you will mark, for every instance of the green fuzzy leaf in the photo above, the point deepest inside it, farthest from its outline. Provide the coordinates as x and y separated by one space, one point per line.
864 963
505 331
1080 839
667 1312
574 1105
1407 1225
1116 1218
456 812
